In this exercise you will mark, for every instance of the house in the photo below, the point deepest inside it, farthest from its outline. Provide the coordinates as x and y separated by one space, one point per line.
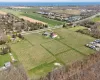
53 35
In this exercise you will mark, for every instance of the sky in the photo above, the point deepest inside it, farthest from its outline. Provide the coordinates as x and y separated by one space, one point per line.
49 0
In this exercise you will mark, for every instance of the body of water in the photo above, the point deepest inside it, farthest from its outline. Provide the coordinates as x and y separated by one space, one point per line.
48 3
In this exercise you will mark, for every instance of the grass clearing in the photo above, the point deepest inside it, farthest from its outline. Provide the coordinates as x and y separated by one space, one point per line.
55 47
96 19
70 56
31 56
77 28
4 58
39 17
38 53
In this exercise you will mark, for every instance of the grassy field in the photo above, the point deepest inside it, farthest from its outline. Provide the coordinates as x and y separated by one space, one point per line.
96 19
16 13
38 53
21 12
4 58
36 16
77 28
70 12
70 56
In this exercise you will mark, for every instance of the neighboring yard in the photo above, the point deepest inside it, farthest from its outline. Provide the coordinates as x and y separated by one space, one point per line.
4 58
38 53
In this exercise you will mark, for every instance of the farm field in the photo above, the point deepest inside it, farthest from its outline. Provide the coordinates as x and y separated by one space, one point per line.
77 28
34 16
32 20
38 53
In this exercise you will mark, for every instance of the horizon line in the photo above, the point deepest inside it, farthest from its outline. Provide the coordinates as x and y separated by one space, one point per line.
53 2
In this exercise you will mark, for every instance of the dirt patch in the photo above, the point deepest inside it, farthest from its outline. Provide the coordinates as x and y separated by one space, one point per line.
32 20
2 12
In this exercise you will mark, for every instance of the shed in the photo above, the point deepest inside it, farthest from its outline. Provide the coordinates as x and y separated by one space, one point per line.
7 64
46 34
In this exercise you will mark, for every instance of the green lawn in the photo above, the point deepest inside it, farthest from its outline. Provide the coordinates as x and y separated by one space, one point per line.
38 53
31 56
36 16
77 28
96 19
55 47
70 56
4 58
75 40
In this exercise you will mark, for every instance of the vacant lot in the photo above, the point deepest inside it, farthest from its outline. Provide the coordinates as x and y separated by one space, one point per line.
38 53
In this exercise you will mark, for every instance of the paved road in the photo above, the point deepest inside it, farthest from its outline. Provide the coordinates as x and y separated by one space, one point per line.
87 18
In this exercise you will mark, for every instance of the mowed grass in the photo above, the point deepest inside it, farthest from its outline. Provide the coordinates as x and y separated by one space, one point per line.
77 28
4 58
31 56
37 38
70 56
39 17
55 47
75 40
38 53
96 19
